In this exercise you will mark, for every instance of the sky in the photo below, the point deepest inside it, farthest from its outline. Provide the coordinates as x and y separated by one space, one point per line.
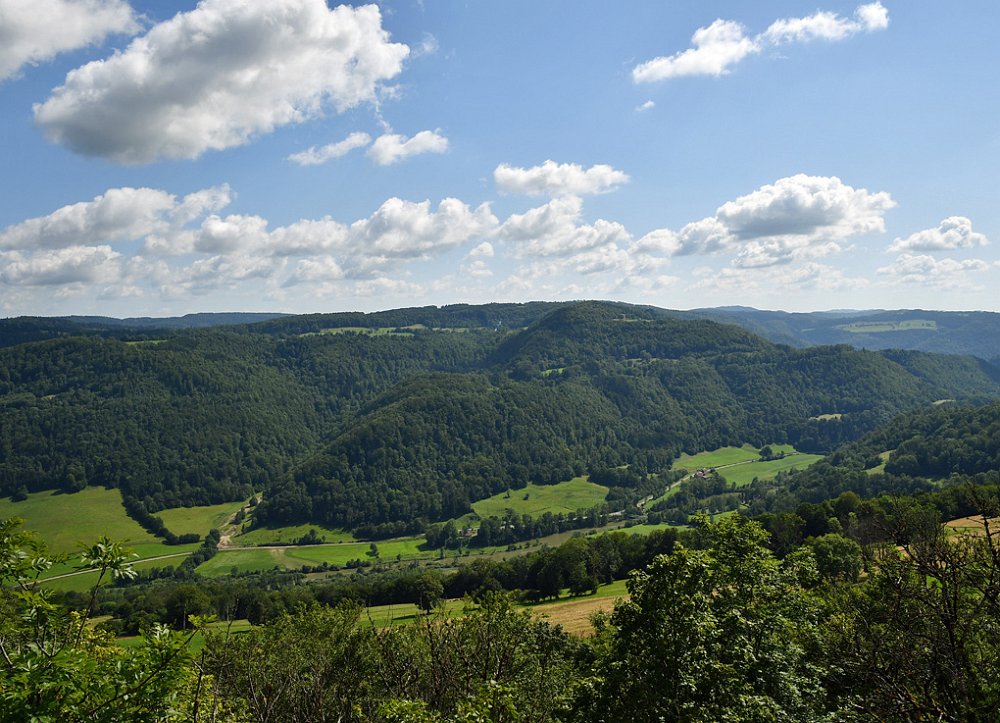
170 157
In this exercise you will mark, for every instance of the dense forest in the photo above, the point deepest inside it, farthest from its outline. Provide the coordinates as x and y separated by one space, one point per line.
413 414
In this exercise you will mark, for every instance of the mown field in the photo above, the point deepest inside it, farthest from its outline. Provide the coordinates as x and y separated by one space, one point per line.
576 494
724 456
198 520
288 535
64 520
743 474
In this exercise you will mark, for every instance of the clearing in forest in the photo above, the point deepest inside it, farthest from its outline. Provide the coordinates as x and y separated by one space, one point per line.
578 493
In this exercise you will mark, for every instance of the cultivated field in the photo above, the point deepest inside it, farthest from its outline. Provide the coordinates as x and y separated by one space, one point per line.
577 494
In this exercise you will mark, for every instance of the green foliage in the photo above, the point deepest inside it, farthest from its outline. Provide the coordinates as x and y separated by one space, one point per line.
56 667
721 633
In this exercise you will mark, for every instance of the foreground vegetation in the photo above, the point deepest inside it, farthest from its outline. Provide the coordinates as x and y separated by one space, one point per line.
717 628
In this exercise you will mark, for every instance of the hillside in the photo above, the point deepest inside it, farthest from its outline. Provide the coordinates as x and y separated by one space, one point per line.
593 386
413 414
975 333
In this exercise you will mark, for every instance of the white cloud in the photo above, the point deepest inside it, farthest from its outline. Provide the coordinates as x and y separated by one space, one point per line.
404 229
928 271
34 31
214 77
796 217
558 179
391 147
314 156
119 214
801 215
553 230
716 48
648 105
954 232
482 251
316 270
724 43
825 25
60 267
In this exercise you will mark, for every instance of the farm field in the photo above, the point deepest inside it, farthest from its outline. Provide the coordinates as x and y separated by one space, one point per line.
63 520
719 457
875 327
575 494
227 561
287 535
743 474
198 520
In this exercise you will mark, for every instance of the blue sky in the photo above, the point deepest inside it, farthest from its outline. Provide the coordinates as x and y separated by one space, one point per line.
164 157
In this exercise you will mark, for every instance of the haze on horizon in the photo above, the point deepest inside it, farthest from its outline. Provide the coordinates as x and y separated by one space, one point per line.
165 158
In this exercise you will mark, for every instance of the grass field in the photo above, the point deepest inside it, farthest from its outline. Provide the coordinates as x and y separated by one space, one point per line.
287 535
876 327
404 548
64 520
743 474
719 457
84 581
879 468
576 494
226 561
184 520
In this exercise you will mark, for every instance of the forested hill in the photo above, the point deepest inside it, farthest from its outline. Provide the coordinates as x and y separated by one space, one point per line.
415 413
593 386
949 332
947 444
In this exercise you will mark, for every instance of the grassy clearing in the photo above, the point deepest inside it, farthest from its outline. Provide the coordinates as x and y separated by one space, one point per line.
638 529
64 520
720 457
288 535
877 327
827 417
743 474
404 548
199 520
228 561
232 627
576 494
879 468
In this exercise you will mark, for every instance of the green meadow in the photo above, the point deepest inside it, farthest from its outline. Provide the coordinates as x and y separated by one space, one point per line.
64 520
578 493
287 535
743 474
198 520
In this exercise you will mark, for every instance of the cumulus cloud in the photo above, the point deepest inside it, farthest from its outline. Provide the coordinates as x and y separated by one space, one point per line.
795 217
648 105
925 270
954 232
482 251
717 47
120 214
554 230
314 156
804 204
824 25
724 43
60 267
558 179
34 31
214 77
391 147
